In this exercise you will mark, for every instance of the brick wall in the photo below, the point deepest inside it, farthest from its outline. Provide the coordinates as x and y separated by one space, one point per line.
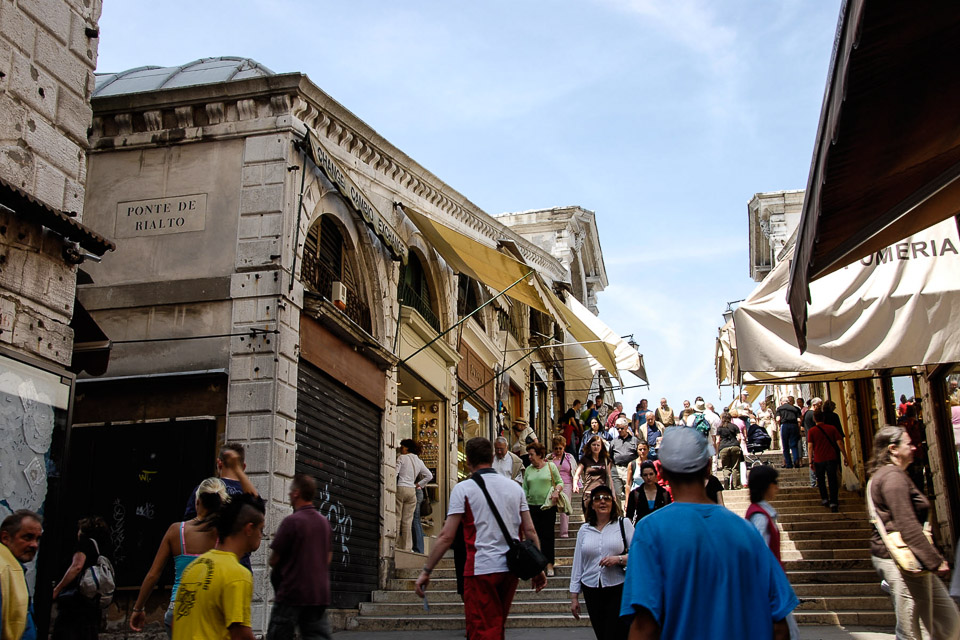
48 51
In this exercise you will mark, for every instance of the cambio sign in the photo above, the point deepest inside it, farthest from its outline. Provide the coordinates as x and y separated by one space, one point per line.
352 193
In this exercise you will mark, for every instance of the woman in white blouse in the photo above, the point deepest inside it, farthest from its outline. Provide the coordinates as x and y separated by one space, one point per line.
411 474
599 565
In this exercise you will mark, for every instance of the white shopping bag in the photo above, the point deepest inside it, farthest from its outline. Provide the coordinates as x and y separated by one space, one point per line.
850 480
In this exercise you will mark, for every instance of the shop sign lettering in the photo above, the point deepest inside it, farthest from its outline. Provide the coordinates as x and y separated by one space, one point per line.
932 248
161 216
357 199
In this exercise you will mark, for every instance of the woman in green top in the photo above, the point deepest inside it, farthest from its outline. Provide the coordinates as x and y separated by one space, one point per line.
542 482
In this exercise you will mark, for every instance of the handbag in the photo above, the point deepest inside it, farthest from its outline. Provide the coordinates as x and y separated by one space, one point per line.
426 507
563 504
898 549
623 536
524 559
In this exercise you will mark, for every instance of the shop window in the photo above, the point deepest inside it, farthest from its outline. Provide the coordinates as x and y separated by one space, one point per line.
415 291
541 327
473 421
326 259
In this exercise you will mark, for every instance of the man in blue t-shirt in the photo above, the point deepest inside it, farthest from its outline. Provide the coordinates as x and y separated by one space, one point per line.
685 591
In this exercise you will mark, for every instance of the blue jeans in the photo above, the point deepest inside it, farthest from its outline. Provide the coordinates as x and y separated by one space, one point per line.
311 620
790 441
416 527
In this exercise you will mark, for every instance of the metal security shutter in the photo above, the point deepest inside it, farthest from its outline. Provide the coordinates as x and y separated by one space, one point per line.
338 443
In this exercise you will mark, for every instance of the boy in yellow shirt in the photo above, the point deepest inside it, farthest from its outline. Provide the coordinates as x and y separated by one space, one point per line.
213 600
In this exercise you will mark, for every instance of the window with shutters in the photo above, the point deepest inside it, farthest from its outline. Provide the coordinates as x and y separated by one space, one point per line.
469 299
415 291
328 259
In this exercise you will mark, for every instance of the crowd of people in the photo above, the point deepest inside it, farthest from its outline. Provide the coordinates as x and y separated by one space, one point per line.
641 479
650 478
210 548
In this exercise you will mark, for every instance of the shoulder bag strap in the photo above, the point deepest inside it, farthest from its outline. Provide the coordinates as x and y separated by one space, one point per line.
875 517
553 468
623 536
478 478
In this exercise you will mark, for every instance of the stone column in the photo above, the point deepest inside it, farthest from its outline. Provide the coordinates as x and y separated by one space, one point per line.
262 398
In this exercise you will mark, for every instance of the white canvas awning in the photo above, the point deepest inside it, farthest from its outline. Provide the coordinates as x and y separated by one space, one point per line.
897 308
579 370
627 357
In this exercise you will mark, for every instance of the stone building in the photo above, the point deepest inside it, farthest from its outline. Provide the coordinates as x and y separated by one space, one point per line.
48 51
571 235
772 218
285 281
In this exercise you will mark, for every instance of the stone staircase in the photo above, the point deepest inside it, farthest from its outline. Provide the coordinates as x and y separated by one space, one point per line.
826 556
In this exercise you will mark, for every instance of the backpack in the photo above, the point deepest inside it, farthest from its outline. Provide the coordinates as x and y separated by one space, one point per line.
701 424
98 580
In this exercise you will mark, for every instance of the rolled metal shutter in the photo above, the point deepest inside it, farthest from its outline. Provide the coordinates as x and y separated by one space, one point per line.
338 443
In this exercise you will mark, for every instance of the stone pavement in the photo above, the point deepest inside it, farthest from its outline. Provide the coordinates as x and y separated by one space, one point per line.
806 633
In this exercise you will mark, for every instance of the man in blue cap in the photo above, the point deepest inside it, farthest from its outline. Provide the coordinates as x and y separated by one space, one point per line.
713 553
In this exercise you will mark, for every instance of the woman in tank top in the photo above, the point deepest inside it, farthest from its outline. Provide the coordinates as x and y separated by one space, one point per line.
183 542
594 468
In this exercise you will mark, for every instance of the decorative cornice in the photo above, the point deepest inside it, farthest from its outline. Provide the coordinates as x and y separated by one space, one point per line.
420 184
210 111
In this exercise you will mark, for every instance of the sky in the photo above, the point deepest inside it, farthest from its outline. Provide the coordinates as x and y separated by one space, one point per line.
664 117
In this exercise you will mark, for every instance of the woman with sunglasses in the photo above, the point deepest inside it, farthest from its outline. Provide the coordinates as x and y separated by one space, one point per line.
599 565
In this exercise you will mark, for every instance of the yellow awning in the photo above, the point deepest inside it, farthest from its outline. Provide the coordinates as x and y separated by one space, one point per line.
482 263
499 271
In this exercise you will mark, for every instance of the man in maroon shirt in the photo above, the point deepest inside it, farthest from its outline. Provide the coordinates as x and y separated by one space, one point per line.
300 555
823 443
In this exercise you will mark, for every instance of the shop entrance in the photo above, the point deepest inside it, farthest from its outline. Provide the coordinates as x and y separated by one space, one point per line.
421 410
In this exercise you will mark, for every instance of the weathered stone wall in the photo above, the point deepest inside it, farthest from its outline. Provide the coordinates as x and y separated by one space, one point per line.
48 51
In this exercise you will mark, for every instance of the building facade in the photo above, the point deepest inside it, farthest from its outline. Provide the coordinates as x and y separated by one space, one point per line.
48 51
272 289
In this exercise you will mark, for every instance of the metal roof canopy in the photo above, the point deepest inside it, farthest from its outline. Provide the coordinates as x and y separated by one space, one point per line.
886 161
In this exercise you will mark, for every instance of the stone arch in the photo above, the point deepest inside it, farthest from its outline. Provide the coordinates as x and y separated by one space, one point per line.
370 265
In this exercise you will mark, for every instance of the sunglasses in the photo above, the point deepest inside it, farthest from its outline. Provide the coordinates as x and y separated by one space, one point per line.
602 498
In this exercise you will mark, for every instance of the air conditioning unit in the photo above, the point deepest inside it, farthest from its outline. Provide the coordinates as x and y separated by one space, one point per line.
339 295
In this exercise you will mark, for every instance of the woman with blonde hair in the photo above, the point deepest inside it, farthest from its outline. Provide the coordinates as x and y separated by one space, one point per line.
183 542
896 506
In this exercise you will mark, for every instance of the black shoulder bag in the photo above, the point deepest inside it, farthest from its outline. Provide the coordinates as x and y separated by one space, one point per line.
524 559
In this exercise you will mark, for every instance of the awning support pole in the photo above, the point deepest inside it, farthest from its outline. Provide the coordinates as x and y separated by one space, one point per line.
464 319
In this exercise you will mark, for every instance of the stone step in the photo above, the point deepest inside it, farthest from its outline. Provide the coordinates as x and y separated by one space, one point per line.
430 621
798 572
560 605
887 619
814 590
560 591
827 565
824 522
826 577
853 533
